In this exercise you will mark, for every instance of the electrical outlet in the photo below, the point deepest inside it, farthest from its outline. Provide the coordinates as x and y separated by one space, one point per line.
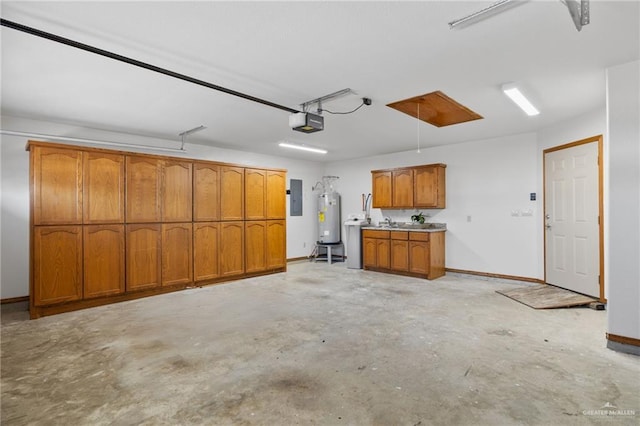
304 245
468 218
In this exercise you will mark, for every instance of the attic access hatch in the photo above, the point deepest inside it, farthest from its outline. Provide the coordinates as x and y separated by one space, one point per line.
436 108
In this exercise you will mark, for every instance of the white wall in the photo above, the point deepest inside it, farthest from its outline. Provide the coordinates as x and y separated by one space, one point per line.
623 207
14 200
486 181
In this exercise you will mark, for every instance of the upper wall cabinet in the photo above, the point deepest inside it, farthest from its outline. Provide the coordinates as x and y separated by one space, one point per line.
255 182
57 186
231 193
206 192
103 188
402 184
276 190
381 189
143 189
176 191
429 186
410 187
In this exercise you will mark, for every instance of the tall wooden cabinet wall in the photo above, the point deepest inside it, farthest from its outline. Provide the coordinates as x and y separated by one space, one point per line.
108 226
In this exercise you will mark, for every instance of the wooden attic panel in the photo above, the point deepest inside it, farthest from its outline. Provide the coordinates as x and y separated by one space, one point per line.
436 108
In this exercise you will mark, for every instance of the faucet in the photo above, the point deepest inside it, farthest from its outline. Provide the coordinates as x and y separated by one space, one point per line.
388 219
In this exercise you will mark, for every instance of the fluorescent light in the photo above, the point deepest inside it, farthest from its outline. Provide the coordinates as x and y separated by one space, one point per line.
302 148
485 13
516 96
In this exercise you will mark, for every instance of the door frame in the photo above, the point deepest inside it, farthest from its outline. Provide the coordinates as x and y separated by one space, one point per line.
592 139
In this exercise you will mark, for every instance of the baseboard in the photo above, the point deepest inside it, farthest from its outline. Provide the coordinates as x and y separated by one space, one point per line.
500 276
623 339
14 300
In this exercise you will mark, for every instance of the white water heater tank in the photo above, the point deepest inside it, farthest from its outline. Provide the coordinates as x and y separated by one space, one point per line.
329 217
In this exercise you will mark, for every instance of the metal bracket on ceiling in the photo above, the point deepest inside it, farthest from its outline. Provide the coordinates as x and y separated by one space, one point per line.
579 12
184 134
305 106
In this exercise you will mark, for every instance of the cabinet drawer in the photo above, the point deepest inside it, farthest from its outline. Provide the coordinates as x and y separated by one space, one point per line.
370 233
419 236
399 235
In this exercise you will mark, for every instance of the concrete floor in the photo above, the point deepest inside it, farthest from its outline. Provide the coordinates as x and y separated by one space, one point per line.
320 344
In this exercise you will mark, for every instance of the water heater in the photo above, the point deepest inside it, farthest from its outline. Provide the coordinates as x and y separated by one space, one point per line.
328 212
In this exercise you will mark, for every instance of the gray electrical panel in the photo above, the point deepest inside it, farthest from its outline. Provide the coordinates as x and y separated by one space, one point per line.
295 200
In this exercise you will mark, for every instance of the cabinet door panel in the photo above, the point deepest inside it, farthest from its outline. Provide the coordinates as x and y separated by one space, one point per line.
255 234
103 183
57 186
206 238
177 260
383 254
231 193
399 255
255 190
419 257
143 189
144 266
176 191
276 244
103 260
206 192
381 183
369 251
402 188
426 186
57 264
231 248
276 195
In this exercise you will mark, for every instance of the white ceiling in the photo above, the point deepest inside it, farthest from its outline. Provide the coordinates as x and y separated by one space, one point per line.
291 52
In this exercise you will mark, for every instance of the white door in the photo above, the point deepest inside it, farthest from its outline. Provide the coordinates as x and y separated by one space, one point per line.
571 219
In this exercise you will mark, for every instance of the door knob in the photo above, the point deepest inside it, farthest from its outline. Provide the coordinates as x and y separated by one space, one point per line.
547 226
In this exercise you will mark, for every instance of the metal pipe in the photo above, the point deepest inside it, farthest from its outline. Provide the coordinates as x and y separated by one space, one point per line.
135 62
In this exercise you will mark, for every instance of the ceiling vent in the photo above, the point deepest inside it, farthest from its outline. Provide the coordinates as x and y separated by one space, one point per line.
436 108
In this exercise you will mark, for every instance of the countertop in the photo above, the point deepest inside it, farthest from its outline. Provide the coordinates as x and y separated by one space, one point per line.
427 227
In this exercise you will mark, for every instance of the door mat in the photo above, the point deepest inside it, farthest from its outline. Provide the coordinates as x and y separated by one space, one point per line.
547 297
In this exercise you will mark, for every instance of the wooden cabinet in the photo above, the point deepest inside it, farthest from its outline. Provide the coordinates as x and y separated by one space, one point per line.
206 237
177 259
381 181
231 248
206 192
143 189
276 194
276 244
56 186
143 256
231 193
402 188
103 188
429 186
176 193
103 260
399 251
57 264
376 249
419 254
255 181
410 187
110 225
255 237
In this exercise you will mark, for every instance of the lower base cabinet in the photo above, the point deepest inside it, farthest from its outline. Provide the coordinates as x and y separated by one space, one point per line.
419 254
276 244
103 260
206 238
177 254
231 248
57 265
143 254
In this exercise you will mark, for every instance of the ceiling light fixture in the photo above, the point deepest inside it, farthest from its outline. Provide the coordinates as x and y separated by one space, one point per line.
519 99
302 148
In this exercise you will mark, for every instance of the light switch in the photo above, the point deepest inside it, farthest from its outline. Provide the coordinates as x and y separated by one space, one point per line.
515 213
